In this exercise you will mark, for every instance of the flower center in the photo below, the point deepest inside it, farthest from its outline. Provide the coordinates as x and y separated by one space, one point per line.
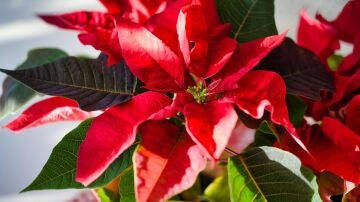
199 92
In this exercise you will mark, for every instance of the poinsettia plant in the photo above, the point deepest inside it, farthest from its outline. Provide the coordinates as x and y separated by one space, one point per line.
197 100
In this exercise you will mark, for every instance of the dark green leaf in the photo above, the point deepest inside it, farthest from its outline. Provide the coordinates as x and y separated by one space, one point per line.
249 121
250 19
263 139
268 174
106 195
15 95
59 170
88 81
264 128
297 109
218 190
303 72
126 186
309 175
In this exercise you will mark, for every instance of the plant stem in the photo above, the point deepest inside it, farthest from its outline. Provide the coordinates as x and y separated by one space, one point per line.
230 151
273 129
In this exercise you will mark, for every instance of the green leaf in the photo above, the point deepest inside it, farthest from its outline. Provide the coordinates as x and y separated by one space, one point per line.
309 175
264 136
263 139
126 186
218 190
59 170
264 127
297 109
15 95
88 81
267 174
303 72
250 19
334 61
249 121
106 195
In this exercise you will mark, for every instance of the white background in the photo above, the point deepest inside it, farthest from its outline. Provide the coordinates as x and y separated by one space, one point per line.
23 155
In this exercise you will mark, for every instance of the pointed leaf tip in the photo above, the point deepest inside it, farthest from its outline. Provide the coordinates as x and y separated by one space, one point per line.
50 110
88 81
167 162
65 153
15 94
210 125
113 132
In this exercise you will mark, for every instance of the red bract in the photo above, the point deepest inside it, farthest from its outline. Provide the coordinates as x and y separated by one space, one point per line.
337 132
317 37
158 62
81 20
347 27
55 109
192 66
345 24
334 148
135 10
323 37
113 132
346 88
208 73
112 6
352 114
339 137
334 140
210 125
97 28
166 152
